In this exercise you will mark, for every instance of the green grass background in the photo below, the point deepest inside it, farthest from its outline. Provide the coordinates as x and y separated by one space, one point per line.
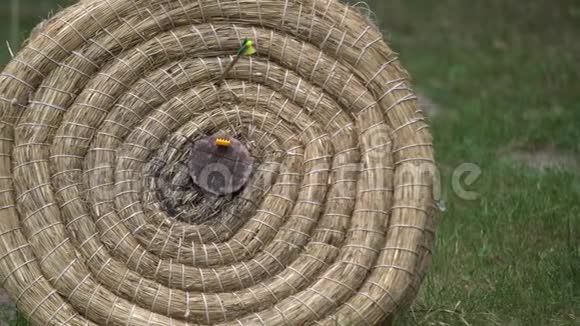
506 76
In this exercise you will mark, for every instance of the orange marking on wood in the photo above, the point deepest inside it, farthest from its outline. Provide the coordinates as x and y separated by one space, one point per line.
222 142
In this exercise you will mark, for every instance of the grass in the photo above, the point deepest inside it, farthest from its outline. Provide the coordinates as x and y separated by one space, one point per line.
506 75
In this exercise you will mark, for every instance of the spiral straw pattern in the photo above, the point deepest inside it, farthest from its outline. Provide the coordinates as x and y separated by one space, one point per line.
99 224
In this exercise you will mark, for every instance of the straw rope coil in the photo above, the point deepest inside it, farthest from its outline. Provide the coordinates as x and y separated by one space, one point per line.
97 111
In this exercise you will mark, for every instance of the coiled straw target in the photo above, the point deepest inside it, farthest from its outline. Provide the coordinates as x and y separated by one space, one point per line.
98 110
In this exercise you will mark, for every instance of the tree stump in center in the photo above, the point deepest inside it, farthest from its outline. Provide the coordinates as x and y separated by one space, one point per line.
220 165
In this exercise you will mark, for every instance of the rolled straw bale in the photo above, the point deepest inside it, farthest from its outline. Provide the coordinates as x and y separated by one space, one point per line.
97 115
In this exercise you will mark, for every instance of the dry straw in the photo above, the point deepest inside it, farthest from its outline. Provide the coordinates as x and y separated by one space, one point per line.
335 227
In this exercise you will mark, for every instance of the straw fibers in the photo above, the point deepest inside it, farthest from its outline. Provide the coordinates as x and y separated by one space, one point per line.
98 110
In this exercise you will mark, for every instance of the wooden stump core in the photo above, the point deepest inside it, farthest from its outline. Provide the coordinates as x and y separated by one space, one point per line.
220 170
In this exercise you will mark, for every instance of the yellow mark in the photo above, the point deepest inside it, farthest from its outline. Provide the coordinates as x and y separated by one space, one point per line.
222 142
